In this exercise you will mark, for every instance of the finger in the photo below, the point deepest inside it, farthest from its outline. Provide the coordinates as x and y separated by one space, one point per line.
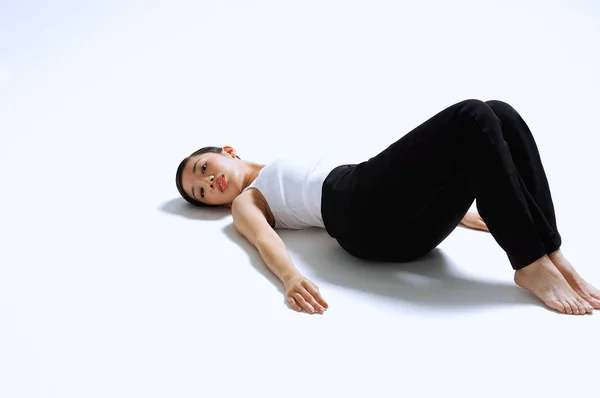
294 304
309 297
320 298
314 290
303 303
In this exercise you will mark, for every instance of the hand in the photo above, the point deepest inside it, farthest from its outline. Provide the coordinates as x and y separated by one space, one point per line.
474 220
303 294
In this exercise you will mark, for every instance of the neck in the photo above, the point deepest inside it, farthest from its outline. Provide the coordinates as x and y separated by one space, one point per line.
252 173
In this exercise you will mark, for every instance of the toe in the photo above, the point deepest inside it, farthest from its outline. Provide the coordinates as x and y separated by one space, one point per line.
584 307
558 306
574 306
589 303
580 308
568 307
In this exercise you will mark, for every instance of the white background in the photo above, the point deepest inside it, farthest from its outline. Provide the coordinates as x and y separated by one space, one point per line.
110 286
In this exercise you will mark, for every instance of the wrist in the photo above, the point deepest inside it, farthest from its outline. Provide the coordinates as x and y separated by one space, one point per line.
286 278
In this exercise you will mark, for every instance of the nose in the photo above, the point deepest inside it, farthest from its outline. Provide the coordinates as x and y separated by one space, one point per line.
210 180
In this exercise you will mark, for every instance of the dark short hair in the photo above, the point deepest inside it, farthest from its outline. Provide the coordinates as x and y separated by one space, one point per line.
178 175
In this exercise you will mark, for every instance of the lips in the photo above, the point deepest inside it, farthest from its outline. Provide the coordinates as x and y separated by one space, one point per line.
221 183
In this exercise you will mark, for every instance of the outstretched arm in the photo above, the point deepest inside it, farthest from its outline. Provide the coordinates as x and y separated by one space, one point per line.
251 222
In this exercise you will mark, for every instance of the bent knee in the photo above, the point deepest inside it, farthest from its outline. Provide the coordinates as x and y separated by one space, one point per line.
474 107
473 110
501 108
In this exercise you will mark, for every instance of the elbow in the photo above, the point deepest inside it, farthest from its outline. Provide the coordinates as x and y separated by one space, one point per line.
260 243
266 240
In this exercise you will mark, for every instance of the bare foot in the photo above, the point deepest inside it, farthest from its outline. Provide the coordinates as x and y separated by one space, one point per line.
586 291
544 280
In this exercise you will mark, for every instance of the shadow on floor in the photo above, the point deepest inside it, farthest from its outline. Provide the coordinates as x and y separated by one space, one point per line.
180 207
430 281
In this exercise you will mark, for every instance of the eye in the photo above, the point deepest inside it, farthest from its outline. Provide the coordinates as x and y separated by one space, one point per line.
202 189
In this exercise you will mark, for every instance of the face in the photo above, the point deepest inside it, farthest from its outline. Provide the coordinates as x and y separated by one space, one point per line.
214 178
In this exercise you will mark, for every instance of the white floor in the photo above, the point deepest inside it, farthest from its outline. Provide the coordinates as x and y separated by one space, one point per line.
110 286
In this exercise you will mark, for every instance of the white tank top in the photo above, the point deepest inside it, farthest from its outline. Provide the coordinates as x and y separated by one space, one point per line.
293 188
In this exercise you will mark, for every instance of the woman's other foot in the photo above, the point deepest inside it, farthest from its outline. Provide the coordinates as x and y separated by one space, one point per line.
586 291
544 280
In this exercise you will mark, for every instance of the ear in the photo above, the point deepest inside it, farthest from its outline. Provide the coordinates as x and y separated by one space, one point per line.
230 150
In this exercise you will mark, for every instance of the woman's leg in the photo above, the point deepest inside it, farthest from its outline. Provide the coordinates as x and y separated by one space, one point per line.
532 177
403 182
527 160
407 198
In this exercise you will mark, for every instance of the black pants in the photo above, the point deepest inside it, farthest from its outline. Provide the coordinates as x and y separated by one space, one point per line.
404 202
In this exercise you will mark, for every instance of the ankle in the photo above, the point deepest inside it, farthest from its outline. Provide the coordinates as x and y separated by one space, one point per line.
535 266
561 262
557 254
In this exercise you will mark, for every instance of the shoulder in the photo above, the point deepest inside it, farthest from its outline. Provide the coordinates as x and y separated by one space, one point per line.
250 219
251 200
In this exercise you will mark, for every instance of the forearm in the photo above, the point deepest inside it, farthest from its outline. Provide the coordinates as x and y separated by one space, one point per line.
277 259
